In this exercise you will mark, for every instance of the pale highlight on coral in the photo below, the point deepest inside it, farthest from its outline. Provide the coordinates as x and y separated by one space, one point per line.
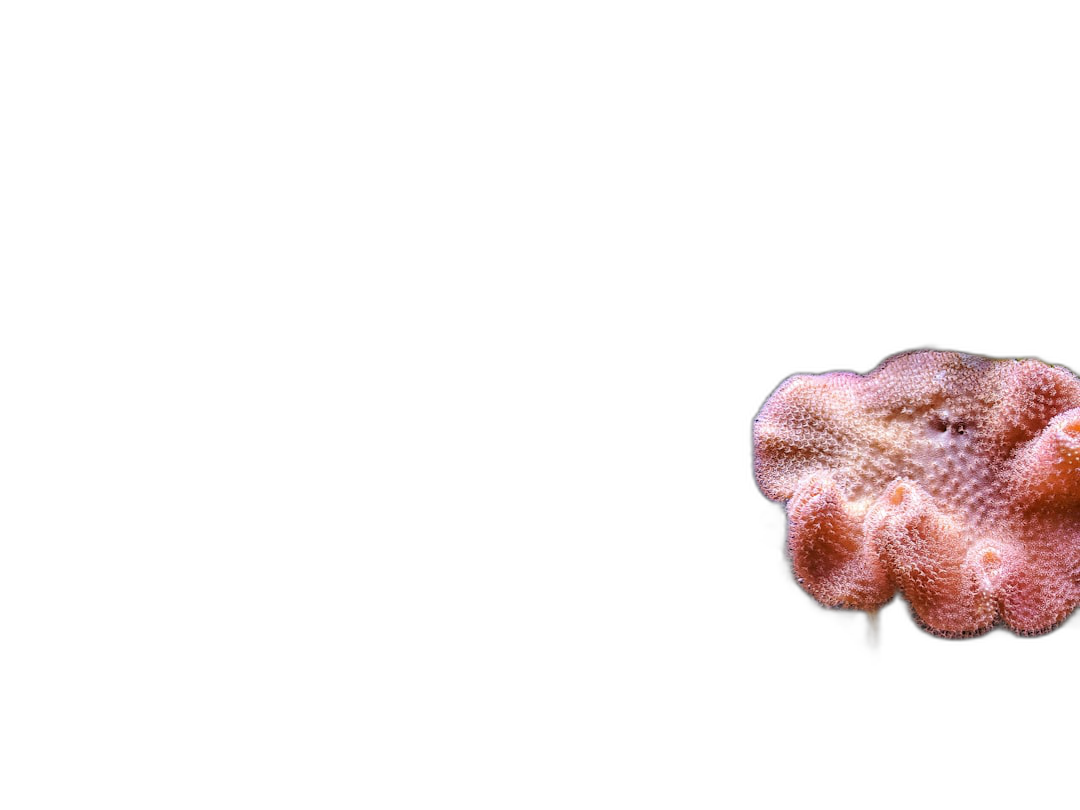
951 478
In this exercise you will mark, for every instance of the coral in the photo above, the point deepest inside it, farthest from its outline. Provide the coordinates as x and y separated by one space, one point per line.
950 477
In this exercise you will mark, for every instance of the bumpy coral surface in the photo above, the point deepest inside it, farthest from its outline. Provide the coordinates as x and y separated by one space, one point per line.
950 477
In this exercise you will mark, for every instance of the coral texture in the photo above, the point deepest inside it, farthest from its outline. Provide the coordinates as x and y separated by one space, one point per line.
950 477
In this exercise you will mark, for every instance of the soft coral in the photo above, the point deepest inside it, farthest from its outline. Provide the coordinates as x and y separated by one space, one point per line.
951 477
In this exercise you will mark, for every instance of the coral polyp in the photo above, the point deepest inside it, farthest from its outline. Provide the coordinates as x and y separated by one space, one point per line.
953 479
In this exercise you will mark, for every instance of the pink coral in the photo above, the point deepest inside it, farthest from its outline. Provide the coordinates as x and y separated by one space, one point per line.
951 477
